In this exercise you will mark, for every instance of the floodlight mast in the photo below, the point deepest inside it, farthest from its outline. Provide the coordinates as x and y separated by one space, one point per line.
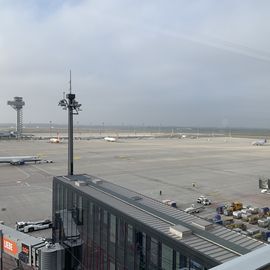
73 108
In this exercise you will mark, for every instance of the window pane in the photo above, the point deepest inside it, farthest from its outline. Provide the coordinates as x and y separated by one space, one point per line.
167 257
140 243
112 237
104 238
153 254
130 248
120 243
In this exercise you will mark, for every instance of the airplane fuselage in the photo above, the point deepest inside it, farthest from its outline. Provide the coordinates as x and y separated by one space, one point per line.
110 139
259 142
19 160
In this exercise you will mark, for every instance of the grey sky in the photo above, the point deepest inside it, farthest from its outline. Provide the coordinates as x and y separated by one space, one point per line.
184 63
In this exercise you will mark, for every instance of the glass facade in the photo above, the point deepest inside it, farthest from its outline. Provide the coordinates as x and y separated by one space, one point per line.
98 238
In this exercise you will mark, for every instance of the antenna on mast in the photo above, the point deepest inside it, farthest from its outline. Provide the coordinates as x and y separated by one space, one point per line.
70 81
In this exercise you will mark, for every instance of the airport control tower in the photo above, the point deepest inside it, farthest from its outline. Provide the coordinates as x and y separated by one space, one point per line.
17 104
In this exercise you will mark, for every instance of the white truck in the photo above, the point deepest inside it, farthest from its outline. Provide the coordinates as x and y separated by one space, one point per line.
30 226
201 199
204 200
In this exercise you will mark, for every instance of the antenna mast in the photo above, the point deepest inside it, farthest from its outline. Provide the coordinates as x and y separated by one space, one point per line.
73 108
70 82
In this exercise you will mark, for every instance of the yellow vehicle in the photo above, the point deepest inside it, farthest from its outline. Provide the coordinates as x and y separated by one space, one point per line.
237 206
234 206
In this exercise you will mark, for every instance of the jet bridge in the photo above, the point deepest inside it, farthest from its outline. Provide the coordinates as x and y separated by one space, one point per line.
29 250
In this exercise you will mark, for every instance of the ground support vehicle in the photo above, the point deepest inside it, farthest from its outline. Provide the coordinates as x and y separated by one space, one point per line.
206 202
194 209
31 226
234 206
170 203
201 198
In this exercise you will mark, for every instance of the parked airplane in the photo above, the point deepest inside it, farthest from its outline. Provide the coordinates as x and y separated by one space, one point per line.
110 139
19 160
7 134
259 142
55 140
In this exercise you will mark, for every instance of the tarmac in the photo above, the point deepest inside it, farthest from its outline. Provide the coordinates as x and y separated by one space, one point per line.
223 169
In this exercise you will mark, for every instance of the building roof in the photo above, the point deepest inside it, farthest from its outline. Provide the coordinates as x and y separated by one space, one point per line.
19 236
258 259
210 240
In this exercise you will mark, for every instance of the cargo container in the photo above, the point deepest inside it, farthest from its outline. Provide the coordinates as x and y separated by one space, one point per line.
266 236
228 212
237 214
254 210
245 217
220 209
245 211
240 226
227 220
265 210
253 231
217 219
253 219
263 223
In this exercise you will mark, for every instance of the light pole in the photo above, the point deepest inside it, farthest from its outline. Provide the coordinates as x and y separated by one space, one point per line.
69 103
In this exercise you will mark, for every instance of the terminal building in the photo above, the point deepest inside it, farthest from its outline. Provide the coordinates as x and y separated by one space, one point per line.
105 226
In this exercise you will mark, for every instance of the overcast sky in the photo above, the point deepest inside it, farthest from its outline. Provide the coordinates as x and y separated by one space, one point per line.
182 63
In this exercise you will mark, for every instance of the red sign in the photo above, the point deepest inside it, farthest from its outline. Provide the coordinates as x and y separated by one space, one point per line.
10 246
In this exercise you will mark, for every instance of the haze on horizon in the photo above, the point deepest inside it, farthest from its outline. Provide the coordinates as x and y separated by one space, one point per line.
179 63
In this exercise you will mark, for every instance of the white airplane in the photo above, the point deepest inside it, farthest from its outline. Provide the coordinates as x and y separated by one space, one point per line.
110 139
19 160
259 142
55 140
